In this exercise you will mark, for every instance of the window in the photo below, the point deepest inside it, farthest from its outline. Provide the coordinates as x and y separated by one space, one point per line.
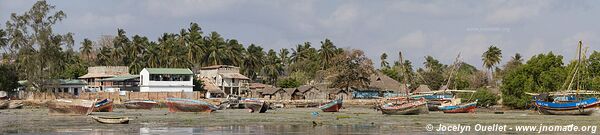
168 77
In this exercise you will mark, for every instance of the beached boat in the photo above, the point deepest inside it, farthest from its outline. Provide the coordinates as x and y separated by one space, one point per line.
105 105
70 107
459 108
189 105
435 100
581 107
140 104
332 106
15 105
111 120
408 108
567 104
255 105
4 104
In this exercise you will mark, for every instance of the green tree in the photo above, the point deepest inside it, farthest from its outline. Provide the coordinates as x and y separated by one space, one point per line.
490 58
542 73
39 48
86 49
8 78
326 53
288 83
351 69
254 60
272 68
384 63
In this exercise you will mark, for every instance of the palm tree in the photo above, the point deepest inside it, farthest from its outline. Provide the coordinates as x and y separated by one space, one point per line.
253 61
491 58
326 53
384 63
215 49
86 49
517 58
194 43
272 68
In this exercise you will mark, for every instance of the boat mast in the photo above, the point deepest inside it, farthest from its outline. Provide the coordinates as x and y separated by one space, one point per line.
404 76
454 68
578 62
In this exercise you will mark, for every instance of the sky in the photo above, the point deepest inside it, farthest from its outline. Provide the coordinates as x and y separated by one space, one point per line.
440 28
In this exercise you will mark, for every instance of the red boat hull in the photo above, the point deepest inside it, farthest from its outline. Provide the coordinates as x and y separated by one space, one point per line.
105 108
334 108
470 109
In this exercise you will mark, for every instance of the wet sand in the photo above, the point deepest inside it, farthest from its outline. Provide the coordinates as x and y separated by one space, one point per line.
352 120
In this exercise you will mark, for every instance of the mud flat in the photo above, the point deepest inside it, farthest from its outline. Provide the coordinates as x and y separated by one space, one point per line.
288 121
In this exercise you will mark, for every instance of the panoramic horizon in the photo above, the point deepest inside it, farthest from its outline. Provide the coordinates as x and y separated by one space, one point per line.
299 67
441 29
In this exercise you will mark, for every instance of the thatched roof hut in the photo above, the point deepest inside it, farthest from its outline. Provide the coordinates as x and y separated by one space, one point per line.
422 89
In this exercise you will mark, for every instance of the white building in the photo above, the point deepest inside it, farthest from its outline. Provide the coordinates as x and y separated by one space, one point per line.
166 80
227 78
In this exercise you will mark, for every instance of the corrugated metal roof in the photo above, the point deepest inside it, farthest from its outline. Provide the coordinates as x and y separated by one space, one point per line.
175 71
234 76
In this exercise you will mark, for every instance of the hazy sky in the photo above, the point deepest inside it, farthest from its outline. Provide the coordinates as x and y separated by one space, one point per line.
439 28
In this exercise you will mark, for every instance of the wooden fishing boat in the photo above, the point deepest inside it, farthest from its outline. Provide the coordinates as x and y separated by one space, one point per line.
189 105
15 105
569 104
4 104
105 105
255 105
408 108
140 104
111 120
70 107
582 107
332 106
459 108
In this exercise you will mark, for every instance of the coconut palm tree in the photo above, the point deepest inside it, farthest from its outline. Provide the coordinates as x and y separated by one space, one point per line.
326 53
272 68
384 63
86 49
253 61
491 58
215 49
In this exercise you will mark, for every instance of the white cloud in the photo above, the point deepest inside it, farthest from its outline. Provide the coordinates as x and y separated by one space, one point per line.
536 46
569 44
95 20
344 15
513 11
186 8
431 7
412 40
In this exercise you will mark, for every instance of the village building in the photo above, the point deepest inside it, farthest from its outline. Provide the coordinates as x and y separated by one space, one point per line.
225 77
255 90
332 93
294 93
274 93
212 91
166 80
121 83
380 86
422 89
312 93
97 73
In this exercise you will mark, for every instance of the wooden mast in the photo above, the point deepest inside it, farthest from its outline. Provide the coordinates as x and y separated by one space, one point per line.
404 76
